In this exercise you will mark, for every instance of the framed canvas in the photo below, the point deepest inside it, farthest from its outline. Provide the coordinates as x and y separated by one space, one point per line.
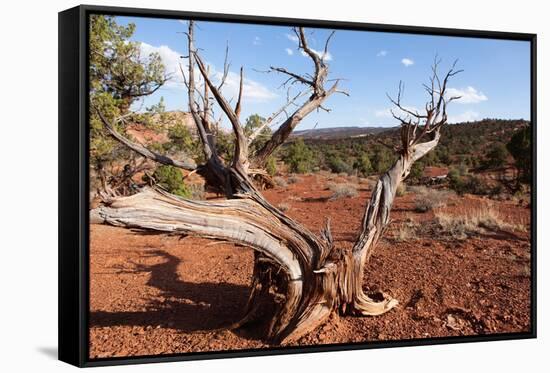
241 185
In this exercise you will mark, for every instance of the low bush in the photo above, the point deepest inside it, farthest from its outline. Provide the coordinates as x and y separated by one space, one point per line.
280 182
271 166
293 179
427 199
407 231
171 179
473 222
471 184
342 191
339 166
401 190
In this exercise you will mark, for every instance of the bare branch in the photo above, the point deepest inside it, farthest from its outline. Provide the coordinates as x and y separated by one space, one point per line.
208 146
270 120
240 159
143 151
328 41
436 108
315 101
293 76
238 105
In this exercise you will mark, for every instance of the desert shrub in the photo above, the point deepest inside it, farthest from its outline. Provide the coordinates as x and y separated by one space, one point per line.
252 124
381 159
427 199
401 190
338 166
417 170
496 156
225 144
472 223
353 179
171 179
441 155
293 179
299 157
181 139
462 182
363 165
342 191
522 195
406 230
520 148
271 166
279 181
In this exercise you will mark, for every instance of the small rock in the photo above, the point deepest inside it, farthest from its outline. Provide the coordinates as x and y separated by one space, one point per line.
453 322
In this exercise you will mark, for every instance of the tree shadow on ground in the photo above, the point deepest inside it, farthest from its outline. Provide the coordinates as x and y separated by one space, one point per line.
184 306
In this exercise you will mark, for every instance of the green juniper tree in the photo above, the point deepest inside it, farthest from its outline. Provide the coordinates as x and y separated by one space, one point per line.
119 76
520 148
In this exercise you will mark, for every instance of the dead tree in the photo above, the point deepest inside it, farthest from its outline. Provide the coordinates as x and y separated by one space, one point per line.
299 278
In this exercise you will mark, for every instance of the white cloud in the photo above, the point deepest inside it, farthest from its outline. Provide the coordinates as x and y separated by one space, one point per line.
257 41
382 53
292 38
183 21
324 56
467 116
289 51
382 113
252 90
407 62
469 95
170 58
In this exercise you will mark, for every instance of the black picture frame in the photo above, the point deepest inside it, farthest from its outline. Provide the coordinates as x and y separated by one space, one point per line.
73 254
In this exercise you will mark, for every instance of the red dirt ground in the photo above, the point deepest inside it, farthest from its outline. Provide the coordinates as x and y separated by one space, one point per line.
158 294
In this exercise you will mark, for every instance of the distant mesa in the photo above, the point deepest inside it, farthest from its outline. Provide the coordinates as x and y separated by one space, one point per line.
339 132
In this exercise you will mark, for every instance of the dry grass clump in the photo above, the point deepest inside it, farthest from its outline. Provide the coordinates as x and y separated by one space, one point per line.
369 183
197 191
353 179
474 222
342 190
428 199
293 179
401 190
407 231
280 182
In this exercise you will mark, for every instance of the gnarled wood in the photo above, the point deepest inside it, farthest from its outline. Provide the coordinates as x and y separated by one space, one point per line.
302 277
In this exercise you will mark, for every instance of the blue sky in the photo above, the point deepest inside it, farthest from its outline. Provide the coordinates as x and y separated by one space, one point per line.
494 84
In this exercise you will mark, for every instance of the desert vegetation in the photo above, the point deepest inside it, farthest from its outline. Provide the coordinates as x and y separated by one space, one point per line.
258 194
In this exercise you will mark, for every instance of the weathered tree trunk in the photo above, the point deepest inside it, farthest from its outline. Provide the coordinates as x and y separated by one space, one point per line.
304 276
299 278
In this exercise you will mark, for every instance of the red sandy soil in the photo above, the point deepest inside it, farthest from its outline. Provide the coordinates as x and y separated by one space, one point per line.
431 171
159 294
